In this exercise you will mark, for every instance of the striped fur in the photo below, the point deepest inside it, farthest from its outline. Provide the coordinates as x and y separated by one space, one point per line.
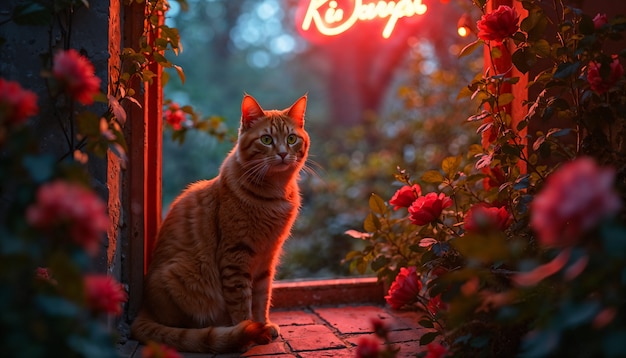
208 288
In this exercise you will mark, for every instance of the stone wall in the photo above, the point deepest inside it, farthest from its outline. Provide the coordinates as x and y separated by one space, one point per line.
95 32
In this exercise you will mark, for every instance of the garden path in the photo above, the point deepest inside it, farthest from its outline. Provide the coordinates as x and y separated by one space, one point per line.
324 331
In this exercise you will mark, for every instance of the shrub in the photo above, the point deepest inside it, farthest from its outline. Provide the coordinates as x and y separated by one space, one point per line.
529 255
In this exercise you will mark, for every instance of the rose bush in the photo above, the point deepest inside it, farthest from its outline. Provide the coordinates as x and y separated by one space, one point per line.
53 223
524 254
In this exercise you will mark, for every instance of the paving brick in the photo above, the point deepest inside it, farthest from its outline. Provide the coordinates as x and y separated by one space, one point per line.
334 353
310 337
271 349
409 349
293 318
358 319
325 332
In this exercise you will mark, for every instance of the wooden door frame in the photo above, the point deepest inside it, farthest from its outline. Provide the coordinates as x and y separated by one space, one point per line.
142 192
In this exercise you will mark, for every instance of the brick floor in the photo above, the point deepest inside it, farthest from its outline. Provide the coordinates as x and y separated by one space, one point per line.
324 331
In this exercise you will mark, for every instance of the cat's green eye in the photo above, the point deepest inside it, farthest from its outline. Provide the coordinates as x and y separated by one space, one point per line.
266 139
291 139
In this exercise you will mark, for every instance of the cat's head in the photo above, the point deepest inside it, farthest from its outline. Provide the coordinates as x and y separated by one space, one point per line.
272 141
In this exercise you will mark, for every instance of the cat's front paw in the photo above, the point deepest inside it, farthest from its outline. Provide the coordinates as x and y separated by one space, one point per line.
273 328
270 332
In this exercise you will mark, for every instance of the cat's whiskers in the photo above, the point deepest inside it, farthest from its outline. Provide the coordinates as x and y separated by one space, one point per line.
310 167
255 170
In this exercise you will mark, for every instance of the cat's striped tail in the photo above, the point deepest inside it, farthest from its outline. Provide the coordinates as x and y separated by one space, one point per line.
209 339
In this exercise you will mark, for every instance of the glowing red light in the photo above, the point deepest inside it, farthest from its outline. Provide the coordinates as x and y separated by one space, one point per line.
334 17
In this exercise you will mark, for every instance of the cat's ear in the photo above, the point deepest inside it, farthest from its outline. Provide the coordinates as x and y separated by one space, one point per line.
250 111
296 111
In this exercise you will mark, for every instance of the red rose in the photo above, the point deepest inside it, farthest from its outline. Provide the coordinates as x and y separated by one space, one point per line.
435 305
405 196
573 200
175 116
481 218
16 103
597 82
435 350
76 74
367 347
498 25
405 288
599 21
428 208
103 294
67 206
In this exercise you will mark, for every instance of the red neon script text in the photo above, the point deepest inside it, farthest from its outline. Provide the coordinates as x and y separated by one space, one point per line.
331 20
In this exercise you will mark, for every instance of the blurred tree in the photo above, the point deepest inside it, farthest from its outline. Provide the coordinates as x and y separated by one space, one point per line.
359 65
374 104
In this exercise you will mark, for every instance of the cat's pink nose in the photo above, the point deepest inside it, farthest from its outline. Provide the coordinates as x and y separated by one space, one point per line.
282 155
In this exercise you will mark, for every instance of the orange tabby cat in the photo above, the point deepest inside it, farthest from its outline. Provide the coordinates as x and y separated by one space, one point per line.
208 288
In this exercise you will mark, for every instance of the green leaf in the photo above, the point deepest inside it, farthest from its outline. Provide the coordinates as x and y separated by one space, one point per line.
586 25
524 59
432 176
88 123
486 248
450 165
377 204
39 167
161 60
379 262
566 69
32 13
541 343
428 338
496 52
468 49
56 306
371 223
613 239
541 48
180 72
505 99
426 323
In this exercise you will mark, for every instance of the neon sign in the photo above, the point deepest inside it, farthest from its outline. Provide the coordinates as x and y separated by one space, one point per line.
332 17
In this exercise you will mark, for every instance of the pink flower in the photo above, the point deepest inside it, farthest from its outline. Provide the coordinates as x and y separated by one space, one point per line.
498 25
67 206
599 21
436 350
16 103
76 74
104 294
368 347
405 196
597 82
174 116
481 218
435 305
156 350
405 288
428 208
573 200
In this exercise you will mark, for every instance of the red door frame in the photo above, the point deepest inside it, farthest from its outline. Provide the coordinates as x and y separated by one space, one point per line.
516 108
143 184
